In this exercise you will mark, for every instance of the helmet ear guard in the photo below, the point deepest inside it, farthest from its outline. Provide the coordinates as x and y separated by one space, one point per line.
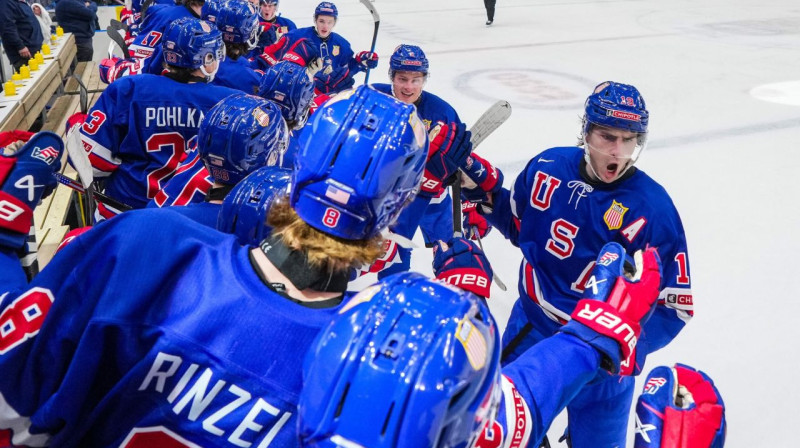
421 356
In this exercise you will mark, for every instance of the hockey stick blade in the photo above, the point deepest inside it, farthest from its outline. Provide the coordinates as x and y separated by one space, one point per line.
377 19
487 123
494 116
113 30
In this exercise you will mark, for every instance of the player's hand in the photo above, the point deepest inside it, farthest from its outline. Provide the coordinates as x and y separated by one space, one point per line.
480 180
301 52
24 52
474 224
367 59
449 147
620 297
679 407
27 164
313 67
462 263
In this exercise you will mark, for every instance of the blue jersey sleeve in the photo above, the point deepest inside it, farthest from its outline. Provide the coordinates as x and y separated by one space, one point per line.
536 387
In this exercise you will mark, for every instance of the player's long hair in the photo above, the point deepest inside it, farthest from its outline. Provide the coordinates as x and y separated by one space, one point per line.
322 249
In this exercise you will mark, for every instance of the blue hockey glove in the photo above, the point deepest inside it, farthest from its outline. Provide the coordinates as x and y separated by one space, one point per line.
679 407
301 52
335 81
616 305
448 150
480 179
462 263
367 59
26 176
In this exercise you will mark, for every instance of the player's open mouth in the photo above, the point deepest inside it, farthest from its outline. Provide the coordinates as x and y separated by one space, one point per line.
612 168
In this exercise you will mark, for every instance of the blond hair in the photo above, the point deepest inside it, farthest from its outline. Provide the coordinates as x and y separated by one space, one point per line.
323 250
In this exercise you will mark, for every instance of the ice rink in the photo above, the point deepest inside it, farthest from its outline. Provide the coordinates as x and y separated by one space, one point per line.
721 82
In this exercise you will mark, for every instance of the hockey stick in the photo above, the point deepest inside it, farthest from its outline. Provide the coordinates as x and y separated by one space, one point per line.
487 123
491 119
100 197
113 30
377 19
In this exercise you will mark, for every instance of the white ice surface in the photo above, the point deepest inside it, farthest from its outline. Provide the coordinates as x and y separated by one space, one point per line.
727 158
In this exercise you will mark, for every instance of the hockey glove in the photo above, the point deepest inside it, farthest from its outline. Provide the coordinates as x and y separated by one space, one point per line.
449 148
301 52
78 118
115 68
313 67
480 179
460 262
367 59
26 176
679 407
474 224
333 81
616 306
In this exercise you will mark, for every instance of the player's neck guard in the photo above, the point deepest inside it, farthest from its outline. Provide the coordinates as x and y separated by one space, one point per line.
294 265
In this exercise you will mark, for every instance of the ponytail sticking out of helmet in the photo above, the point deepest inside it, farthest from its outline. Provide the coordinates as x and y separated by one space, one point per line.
359 162
409 362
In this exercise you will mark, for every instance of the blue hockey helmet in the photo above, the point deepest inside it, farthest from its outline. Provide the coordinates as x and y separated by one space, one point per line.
408 58
422 357
236 19
619 106
192 43
326 9
287 85
244 210
360 160
240 134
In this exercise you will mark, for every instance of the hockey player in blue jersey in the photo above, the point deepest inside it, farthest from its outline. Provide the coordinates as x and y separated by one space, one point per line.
146 55
237 20
563 207
136 133
287 84
273 25
431 211
202 347
425 360
239 134
339 63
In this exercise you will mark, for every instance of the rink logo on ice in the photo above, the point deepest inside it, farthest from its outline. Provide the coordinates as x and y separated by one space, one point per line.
530 88
653 384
